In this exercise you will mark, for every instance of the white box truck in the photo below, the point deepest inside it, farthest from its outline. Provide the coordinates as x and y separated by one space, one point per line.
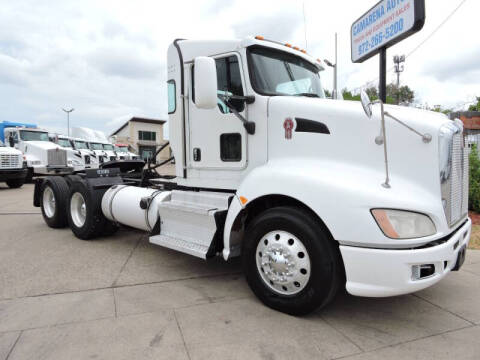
301 187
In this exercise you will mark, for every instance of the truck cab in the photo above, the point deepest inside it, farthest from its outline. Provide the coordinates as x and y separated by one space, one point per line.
281 143
42 156
97 149
75 157
110 151
13 170
123 153
89 157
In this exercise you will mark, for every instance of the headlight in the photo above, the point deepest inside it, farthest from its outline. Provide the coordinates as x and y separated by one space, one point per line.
74 162
399 224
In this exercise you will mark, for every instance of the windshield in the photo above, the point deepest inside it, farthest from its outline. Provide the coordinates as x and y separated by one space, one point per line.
108 147
96 146
64 143
80 145
26 135
121 149
275 72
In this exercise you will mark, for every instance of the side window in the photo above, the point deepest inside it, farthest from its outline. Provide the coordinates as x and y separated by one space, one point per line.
229 80
172 101
231 147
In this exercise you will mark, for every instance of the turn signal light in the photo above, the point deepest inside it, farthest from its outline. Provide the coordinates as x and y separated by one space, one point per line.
243 200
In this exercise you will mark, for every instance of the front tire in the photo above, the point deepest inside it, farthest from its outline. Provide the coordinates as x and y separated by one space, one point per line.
290 261
15 183
53 195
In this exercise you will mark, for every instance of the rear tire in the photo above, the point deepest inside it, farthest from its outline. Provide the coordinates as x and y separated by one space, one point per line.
53 200
290 261
15 183
84 212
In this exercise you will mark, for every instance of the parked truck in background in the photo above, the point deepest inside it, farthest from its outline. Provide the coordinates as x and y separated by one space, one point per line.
303 188
42 156
78 153
124 153
13 170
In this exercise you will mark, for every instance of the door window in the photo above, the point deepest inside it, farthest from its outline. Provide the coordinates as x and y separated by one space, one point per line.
229 81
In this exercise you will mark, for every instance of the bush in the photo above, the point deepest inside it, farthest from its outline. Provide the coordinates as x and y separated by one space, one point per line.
474 193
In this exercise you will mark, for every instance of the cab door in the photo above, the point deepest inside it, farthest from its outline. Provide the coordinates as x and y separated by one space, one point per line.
217 138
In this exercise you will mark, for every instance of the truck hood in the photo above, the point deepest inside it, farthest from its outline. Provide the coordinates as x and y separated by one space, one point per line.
338 135
42 145
9 151
420 120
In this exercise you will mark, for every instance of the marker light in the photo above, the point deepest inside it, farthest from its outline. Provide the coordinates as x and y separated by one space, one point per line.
303 51
288 45
296 48
243 200
259 37
398 224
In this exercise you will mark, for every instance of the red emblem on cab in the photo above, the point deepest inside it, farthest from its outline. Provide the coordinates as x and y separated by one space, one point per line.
288 126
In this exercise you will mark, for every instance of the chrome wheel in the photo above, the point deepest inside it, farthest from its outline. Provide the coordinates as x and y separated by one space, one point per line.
283 262
78 209
48 202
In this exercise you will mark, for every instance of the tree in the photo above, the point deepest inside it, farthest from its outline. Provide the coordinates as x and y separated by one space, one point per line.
474 188
404 94
475 107
328 93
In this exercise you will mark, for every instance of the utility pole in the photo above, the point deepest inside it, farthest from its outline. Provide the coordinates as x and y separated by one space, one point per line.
335 71
399 68
68 119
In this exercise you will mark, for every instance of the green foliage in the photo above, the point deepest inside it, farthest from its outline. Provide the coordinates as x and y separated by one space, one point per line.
404 94
474 193
407 95
475 107
328 93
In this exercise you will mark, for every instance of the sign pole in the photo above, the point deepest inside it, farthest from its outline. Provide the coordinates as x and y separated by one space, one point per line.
382 82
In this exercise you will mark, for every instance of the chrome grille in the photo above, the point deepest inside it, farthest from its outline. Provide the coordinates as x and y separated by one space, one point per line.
57 157
10 161
454 172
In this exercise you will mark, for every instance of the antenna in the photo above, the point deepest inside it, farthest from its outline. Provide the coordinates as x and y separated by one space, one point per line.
305 26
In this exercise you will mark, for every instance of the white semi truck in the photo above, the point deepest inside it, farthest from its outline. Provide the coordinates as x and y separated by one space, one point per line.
79 155
42 156
123 153
13 170
303 188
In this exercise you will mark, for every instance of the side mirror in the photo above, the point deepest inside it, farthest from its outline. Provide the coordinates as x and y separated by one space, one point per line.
366 103
205 83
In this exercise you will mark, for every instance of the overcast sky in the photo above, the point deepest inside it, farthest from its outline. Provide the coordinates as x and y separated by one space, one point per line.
107 59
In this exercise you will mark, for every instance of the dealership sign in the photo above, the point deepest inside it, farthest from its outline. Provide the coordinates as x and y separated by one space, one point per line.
384 25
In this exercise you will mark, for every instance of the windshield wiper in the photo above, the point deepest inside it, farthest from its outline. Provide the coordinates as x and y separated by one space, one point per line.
307 95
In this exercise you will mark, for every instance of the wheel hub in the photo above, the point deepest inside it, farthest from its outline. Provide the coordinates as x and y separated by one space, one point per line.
78 209
48 202
283 262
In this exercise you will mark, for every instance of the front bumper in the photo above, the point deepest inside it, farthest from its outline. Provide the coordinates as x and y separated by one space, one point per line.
382 273
8 174
53 169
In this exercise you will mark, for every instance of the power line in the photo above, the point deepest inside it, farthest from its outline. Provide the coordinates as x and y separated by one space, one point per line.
421 43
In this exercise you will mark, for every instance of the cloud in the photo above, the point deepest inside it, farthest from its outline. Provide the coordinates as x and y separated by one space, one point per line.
280 27
462 68
128 63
